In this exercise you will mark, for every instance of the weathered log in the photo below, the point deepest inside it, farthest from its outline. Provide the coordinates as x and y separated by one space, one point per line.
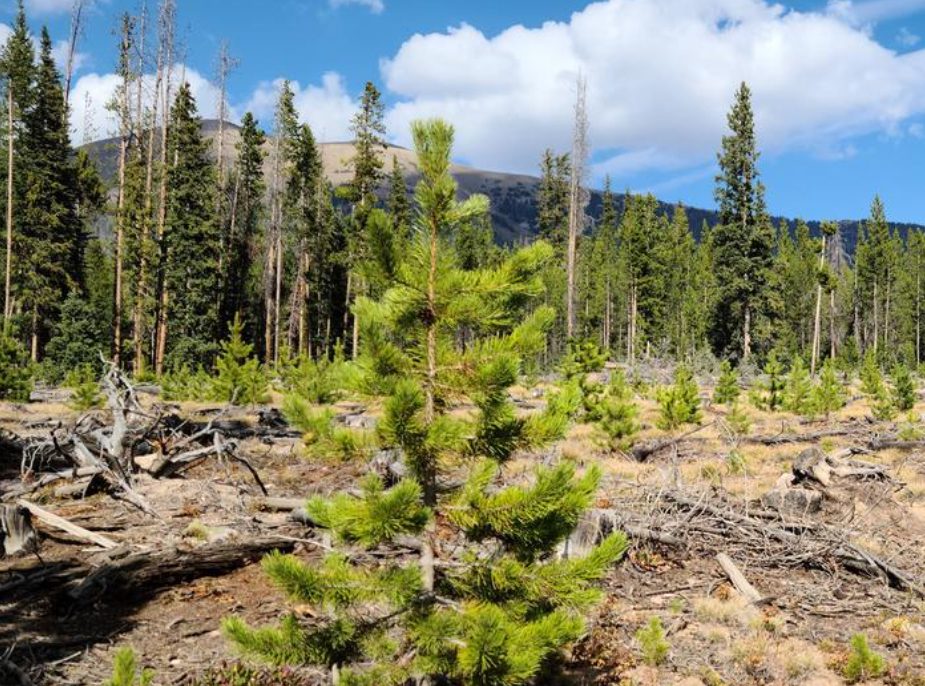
61 523
738 579
148 573
16 532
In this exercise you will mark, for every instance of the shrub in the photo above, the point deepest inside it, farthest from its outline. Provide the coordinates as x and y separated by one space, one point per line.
871 378
319 381
738 421
125 670
182 383
582 357
680 403
863 663
322 436
727 388
77 340
651 639
15 375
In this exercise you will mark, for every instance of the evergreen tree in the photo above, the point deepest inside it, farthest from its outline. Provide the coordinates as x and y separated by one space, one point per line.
399 205
871 377
368 130
876 274
680 403
828 395
15 374
191 239
743 240
510 611
79 338
246 217
552 200
769 393
50 240
727 388
238 376
798 388
618 421
904 391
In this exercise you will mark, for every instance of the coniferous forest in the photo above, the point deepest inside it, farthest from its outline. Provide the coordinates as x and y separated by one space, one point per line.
260 427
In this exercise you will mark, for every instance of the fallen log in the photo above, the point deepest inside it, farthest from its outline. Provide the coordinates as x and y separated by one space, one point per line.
644 451
148 573
68 527
741 584
16 532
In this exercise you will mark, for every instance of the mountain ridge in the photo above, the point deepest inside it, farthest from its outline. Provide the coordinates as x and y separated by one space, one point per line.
512 195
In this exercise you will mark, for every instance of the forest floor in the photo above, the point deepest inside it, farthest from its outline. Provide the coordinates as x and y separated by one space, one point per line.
849 559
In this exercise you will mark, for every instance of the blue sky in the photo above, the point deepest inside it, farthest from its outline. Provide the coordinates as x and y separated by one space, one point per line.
839 85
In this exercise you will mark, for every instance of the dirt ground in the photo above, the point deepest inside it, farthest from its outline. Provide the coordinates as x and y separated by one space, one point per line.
798 634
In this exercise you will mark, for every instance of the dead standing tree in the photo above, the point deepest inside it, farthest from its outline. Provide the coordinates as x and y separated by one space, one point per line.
578 199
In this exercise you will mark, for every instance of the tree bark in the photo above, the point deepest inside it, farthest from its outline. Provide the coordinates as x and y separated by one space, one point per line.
817 322
7 303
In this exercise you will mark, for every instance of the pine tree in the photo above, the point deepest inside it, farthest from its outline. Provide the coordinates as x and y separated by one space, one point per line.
50 241
191 240
18 67
245 225
399 205
238 376
743 240
769 393
828 395
798 388
876 274
679 403
15 374
727 388
79 337
871 377
618 421
507 612
904 391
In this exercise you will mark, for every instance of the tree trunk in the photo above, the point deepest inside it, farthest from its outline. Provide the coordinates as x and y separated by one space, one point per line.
832 343
268 301
10 135
160 326
120 240
277 296
747 334
876 318
817 322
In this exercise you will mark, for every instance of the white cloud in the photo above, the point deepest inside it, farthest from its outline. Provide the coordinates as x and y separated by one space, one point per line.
92 119
59 52
375 6
327 107
866 12
661 76
49 6
5 32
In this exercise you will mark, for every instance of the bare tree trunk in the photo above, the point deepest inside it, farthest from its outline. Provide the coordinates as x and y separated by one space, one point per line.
120 240
10 136
577 201
268 301
278 295
77 10
876 317
817 322
165 47
832 343
35 333
747 334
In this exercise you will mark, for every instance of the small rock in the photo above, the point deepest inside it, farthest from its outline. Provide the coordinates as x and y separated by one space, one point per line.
812 464
793 500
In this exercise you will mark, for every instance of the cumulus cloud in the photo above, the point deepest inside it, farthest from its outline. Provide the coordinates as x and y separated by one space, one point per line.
906 38
91 95
375 6
661 76
327 107
59 52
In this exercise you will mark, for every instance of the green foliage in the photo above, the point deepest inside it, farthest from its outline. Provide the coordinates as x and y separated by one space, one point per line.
84 383
528 520
871 377
883 403
727 387
185 384
239 377
377 516
80 336
583 357
798 389
237 674
904 391
323 436
15 375
768 394
828 394
320 381
680 403
738 421
618 421
652 642
911 429
125 670
863 663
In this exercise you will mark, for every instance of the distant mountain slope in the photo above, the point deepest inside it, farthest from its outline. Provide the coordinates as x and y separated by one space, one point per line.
513 196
